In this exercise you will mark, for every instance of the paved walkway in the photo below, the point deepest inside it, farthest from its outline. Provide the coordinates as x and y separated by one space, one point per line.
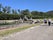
43 32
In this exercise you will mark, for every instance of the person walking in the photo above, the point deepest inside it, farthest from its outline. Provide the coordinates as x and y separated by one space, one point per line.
49 22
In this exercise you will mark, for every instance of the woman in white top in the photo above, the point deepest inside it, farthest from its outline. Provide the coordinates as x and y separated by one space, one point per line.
45 21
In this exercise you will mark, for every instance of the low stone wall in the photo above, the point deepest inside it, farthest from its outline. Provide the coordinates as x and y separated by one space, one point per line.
8 21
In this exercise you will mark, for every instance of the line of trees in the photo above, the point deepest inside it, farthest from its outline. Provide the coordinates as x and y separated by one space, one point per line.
6 13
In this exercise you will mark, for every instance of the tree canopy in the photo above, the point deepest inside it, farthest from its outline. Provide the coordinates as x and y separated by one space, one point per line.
6 13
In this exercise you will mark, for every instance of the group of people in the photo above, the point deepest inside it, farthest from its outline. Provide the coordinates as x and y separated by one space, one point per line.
47 21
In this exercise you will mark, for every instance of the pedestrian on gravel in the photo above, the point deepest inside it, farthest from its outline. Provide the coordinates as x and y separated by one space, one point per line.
49 22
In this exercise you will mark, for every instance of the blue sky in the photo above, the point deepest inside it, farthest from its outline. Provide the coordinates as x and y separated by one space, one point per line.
38 5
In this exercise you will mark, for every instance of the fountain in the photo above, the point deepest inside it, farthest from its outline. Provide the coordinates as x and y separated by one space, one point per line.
20 20
25 18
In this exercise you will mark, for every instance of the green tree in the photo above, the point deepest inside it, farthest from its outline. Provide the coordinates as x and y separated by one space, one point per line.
34 13
25 12
19 11
14 11
5 9
8 9
0 8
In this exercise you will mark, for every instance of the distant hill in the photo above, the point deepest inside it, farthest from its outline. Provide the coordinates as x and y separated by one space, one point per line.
50 12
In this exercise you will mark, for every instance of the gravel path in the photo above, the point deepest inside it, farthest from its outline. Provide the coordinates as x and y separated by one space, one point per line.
42 32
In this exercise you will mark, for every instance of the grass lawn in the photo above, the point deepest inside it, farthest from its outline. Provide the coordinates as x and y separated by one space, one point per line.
7 32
